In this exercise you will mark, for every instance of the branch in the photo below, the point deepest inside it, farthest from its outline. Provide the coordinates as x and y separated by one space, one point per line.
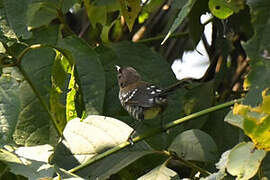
154 132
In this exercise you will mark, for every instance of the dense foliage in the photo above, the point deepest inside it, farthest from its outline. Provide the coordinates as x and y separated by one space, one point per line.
60 115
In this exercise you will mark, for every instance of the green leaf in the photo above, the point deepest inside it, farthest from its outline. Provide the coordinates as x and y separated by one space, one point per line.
225 135
39 14
224 8
256 48
180 18
10 106
244 160
60 70
16 14
7 32
32 123
160 172
90 73
195 145
96 14
221 166
94 135
266 165
235 120
130 10
71 111
256 81
31 162
260 18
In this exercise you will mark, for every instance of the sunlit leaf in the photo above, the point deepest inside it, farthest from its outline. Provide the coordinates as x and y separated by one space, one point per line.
60 72
224 8
244 160
91 78
92 136
130 10
257 122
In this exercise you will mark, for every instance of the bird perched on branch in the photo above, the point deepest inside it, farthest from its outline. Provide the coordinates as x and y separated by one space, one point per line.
143 100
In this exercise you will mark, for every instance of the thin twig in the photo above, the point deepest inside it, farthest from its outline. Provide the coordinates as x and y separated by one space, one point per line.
157 38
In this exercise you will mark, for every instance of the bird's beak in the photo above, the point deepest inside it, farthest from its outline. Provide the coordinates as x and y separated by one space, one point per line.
117 68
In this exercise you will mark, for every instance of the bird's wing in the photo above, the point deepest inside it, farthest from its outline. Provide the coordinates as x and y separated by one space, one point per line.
144 95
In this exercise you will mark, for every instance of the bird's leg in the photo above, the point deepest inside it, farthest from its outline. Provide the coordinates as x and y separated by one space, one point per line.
137 123
130 140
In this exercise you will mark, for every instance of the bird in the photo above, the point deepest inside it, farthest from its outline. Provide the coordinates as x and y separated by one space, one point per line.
141 99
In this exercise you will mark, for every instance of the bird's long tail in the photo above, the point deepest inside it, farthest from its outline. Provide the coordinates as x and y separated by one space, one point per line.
184 83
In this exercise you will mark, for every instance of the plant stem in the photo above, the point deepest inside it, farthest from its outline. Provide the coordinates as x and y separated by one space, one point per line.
176 35
154 132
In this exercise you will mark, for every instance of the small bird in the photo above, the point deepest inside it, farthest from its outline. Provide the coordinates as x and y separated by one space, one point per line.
142 100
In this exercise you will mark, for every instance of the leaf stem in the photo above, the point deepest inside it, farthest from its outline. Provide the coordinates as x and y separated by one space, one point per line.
188 163
41 100
27 78
154 131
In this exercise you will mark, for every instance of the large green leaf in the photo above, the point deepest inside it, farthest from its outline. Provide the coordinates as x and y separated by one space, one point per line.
10 106
16 15
41 13
90 72
6 31
195 145
94 135
31 162
256 48
221 166
260 16
33 120
244 160
32 125
266 166
225 135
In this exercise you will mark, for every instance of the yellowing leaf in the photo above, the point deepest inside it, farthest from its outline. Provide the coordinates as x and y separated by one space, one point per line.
257 121
130 10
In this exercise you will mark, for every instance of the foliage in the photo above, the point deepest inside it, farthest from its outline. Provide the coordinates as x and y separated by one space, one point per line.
59 108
